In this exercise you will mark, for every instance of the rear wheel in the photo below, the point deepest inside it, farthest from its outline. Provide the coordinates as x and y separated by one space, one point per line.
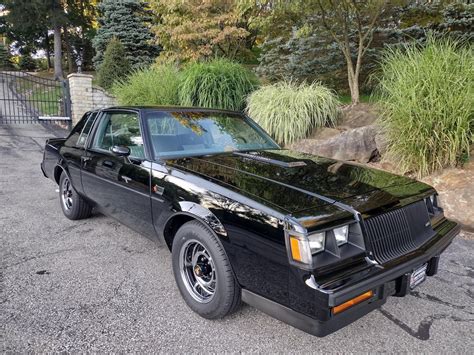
74 206
203 272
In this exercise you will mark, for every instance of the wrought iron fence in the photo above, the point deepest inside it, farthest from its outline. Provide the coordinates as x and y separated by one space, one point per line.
28 98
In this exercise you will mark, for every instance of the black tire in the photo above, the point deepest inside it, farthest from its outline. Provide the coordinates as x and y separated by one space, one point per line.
226 297
74 206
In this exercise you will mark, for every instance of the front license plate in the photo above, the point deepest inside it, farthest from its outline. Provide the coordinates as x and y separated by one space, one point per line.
418 276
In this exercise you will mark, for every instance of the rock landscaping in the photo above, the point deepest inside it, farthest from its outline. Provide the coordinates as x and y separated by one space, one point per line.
358 138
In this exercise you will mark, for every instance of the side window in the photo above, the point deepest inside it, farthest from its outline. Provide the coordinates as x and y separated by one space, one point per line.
82 140
79 134
122 129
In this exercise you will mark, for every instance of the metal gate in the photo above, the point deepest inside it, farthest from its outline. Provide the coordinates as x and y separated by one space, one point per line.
27 98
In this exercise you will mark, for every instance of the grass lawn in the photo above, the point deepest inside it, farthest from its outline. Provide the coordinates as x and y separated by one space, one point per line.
47 101
44 99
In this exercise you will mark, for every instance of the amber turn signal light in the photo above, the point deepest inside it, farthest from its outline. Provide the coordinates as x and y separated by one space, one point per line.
295 249
352 302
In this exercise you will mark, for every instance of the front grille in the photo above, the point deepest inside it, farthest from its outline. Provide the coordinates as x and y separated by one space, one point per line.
398 232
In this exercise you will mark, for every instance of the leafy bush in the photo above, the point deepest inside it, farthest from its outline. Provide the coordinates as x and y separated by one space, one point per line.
157 85
427 95
290 111
5 61
27 62
114 66
216 84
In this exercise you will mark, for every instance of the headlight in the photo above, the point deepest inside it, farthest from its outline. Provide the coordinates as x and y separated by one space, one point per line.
322 248
341 234
317 242
433 204
302 247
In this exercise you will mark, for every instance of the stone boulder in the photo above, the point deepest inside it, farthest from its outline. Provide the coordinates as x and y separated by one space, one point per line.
356 144
381 141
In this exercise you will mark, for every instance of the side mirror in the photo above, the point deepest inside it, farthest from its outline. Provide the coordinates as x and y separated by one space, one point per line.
120 151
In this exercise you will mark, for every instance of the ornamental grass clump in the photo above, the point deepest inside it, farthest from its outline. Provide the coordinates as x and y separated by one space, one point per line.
216 84
290 111
157 85
427 96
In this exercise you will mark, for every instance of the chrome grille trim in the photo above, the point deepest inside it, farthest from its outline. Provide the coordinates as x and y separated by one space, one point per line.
398 232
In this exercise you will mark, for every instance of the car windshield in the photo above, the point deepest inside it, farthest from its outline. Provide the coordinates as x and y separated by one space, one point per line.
183 134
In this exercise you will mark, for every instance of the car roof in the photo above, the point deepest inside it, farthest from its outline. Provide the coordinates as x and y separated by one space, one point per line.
170 109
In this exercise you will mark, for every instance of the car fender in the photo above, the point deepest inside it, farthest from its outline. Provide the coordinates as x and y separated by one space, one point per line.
201 213
185 212
59 168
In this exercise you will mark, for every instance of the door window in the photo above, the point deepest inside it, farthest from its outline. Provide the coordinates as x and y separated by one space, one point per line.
79 134
121 129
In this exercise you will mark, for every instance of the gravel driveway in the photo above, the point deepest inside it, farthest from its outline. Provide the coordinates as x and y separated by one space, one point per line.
95 285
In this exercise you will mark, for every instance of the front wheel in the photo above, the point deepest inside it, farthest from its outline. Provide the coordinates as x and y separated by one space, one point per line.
203 272
73 206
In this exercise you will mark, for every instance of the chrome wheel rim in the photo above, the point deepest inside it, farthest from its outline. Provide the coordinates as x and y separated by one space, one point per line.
197 271
66 194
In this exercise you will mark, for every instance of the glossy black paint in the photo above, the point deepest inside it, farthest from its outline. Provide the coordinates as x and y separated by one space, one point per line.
246 199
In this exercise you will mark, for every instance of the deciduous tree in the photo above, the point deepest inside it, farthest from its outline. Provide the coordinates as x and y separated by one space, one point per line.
27 21
340 19
201 29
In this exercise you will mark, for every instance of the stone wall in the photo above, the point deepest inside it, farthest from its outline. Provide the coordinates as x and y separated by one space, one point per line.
101 99
85 97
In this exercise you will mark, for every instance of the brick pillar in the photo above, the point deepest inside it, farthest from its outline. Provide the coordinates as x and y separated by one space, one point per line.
80 90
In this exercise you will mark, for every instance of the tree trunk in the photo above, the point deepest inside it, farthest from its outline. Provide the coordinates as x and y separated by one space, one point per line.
353 80
47 48
70 59
355 96
58 67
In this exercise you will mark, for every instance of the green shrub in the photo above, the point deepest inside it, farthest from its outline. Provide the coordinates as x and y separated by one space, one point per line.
27 62
5 60
114 66
290 111
428 107
157 85
216 84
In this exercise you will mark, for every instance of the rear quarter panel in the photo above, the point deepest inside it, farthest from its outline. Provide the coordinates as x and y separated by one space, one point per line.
51 156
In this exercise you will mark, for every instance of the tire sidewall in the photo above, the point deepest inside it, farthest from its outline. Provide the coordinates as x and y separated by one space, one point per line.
215 308
73 211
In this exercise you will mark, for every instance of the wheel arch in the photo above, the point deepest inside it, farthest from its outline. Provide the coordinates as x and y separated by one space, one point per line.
191 211
58 170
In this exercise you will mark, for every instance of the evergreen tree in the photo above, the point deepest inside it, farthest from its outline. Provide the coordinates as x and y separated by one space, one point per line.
5 63
273 58
115 64
305 56
129 21
26 62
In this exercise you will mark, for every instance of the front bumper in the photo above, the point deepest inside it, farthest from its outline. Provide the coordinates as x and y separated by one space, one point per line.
390 280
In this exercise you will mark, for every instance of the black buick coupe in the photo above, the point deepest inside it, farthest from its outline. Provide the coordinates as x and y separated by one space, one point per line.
314 242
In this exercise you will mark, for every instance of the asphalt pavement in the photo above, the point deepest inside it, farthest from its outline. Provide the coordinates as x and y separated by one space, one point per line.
95 285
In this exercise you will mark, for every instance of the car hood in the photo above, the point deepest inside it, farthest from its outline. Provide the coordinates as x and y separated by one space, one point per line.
298 182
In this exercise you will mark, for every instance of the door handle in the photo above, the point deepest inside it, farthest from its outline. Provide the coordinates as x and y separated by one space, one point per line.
108 163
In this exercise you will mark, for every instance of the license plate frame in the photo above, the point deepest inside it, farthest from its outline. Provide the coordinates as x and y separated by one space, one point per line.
418 276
